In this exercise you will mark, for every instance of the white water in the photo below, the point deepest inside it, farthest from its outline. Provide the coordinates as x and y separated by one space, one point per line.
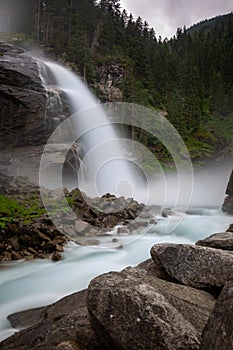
32 284
104 168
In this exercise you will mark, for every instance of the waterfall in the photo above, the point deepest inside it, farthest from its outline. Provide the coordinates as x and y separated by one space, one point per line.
104 165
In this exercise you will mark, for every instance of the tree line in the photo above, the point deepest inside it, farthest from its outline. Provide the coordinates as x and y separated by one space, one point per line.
190 76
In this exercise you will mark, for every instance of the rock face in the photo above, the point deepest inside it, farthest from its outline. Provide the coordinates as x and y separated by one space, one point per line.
198 267
218 333
134 309
228 202
108 78
23 100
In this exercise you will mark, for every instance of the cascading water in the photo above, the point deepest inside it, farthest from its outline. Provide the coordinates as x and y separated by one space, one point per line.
104 165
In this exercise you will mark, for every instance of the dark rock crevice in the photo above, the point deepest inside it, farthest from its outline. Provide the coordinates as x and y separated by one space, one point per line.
228 202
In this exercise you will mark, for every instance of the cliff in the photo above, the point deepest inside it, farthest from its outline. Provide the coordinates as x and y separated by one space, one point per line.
26 116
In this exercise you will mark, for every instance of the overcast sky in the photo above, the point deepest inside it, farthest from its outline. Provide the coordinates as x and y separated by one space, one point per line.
165 16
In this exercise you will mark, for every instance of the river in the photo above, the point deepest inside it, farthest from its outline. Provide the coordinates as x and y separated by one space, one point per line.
25 285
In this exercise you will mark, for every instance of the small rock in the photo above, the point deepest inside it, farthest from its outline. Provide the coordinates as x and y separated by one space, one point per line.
123 231
59 248
92 242
230 228
81 226
43 236
152 222
56 256
15 243
15 256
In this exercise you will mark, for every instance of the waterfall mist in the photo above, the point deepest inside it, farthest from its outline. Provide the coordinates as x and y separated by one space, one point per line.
209 186
105 165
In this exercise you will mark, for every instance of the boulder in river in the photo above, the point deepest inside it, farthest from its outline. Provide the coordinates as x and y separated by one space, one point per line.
195 266
134 309
223 240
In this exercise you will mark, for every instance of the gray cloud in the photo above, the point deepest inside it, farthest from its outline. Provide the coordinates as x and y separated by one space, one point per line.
167 15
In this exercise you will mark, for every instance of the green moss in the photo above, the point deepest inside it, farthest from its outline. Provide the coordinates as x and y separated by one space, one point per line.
11 210
19 39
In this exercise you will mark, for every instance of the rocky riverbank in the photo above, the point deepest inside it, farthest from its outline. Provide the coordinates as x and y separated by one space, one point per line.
181 298
27 231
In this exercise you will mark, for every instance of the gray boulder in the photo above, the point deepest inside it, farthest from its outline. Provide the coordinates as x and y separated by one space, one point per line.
195 266
134 309
218 333
223 240
62 326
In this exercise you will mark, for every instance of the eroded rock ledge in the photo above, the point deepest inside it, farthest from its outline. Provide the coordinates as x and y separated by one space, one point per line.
168 302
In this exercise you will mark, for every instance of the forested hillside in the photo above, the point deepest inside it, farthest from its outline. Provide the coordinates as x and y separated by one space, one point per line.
189 76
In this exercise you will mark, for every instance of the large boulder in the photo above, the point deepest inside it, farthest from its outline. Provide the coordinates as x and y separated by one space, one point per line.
218 333
195 266
222 240
134 309
61 326
228 202
24 115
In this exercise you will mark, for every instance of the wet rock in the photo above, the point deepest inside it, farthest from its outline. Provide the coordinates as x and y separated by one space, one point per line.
81 226
15 256
123 231
27 241
25 117
15 243
195 266
223 240
134 309
91 242
56 256
63 322
218 333
26 318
